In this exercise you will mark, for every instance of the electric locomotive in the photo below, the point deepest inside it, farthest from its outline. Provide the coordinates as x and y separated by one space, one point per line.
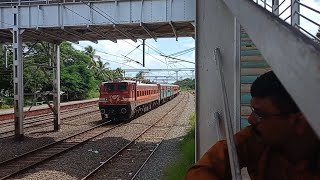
125 99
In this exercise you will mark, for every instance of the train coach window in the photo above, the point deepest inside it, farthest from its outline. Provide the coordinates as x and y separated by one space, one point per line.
109 87
122 86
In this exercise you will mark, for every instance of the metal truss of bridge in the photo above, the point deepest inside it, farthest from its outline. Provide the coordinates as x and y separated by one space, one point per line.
55 21
75 20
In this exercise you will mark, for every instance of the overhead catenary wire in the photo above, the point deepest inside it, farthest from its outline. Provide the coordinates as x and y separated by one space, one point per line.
97 50
113 21
109 59
182 52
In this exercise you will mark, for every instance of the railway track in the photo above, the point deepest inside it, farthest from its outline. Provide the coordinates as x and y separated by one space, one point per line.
131 158
28 160
46 120
38 111
16 166
10 122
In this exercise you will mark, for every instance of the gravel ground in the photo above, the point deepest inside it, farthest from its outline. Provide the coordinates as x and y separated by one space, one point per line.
168 151
128 162
76 164
10 148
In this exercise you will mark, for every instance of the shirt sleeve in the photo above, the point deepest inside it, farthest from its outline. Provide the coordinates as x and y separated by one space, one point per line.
214 164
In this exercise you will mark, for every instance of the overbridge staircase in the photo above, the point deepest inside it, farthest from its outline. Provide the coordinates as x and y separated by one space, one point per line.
252 65
271 36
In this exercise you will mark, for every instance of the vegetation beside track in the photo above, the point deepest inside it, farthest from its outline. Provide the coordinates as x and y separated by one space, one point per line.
186 157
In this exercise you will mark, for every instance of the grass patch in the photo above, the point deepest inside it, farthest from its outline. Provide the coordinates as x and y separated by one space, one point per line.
186 158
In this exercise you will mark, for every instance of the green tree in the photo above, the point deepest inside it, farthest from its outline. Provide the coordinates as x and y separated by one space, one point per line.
89 51
6 73
102 71
140 75
37 74
77 80
117 73
81 71
186 84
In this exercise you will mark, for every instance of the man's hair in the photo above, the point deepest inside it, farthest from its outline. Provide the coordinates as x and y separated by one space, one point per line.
268 85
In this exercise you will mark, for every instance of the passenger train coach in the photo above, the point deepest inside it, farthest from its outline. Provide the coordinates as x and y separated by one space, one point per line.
123 100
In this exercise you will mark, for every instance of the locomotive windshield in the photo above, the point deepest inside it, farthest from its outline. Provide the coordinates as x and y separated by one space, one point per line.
109 87
122 86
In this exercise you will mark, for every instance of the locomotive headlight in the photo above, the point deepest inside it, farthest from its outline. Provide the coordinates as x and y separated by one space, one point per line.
103 99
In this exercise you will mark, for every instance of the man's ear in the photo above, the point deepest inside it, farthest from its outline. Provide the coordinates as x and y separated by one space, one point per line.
300 123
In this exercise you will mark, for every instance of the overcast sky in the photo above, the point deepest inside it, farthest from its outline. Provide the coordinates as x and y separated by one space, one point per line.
117 51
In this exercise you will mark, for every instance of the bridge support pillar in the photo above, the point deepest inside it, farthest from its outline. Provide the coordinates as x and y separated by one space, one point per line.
55 57
17 75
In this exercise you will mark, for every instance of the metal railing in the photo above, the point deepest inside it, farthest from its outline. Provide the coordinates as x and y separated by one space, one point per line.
297 14
232 151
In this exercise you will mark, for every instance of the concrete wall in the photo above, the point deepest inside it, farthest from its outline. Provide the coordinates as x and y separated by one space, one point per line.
216 27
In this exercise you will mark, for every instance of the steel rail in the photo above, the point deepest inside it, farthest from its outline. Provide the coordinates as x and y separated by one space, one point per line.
310 20
42 117
287 18
307 32
279 5
285 10
128 144
265 3
156 148
45 114
25 161
43 123
67 111
308 7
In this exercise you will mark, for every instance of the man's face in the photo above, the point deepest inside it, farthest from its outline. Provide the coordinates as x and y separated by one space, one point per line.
271 126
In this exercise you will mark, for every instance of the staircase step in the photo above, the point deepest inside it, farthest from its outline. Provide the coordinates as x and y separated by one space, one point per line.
248 47
252 58
244 35
254 71
244 123
245 88
245 110
254 64
247 79
246 39
245 98
243 43
250 52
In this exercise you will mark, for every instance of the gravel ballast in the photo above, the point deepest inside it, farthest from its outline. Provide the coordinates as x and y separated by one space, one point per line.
168 151
78 162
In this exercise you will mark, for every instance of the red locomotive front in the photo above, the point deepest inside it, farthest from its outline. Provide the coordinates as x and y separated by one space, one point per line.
120 101
115 102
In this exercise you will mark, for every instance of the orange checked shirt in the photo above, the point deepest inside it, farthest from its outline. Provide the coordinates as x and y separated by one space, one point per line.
261 161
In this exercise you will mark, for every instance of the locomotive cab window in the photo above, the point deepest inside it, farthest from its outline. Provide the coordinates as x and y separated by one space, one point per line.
109 87
122 86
